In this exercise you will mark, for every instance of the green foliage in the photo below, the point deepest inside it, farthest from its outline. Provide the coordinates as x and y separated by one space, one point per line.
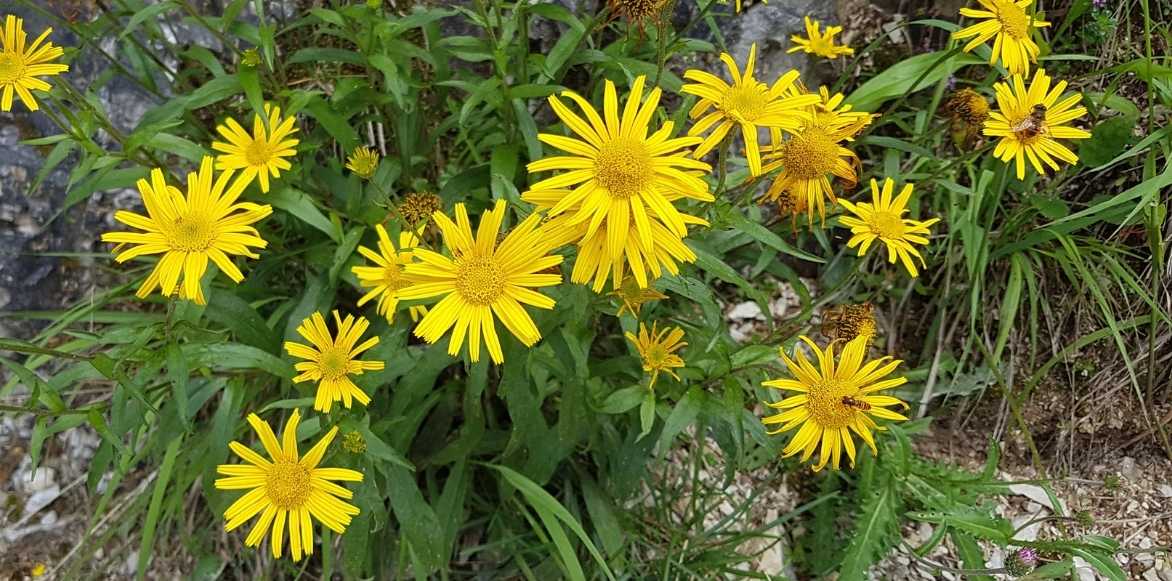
530 469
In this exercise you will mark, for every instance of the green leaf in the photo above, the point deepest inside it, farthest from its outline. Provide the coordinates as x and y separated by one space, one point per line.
868 539
250 81
601 510
685 412
109 178
381 450
764 236
970 554
147 546
978 524
152 12
561 52
419 525
543 503
184 148
227 309
1108 138
898 79
623 400
177 373
334 124
301 206
1102 561
319 55
647 414
237 356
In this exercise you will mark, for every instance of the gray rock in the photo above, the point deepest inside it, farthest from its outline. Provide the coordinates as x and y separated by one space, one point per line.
770 26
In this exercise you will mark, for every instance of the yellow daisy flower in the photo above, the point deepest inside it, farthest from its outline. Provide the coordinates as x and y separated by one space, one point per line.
287 489
1010 23
812 155
386 276
261 153
834 400
618 175
633 296
363 161
189 230
595 260
819 43
882 219
482 279
831 113
747 103
21 63
658 349
331 361
1030 120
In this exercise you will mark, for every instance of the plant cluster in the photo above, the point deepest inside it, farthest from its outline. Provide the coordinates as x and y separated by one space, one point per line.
561 227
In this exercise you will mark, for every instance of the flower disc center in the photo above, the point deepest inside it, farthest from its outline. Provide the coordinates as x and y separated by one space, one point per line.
887 225
288 485
11 68
334 363
746 101
1014 20
258 152
393 277
623 167
191 234
479 280
825 404
810 154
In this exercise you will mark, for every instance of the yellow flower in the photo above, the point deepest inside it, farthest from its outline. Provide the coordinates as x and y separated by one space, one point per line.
363 161
21 63
618 175
883 220
595 260
813 154
331 361
834 115
386 277
658 349
1012 23
747 103
261 153
1028 121
188 230
848 322
287 489
633 296
819 43
833 401
417 208
482 279
38 570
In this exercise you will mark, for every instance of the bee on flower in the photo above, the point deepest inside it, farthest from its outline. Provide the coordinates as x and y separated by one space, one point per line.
1030 121
834 401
